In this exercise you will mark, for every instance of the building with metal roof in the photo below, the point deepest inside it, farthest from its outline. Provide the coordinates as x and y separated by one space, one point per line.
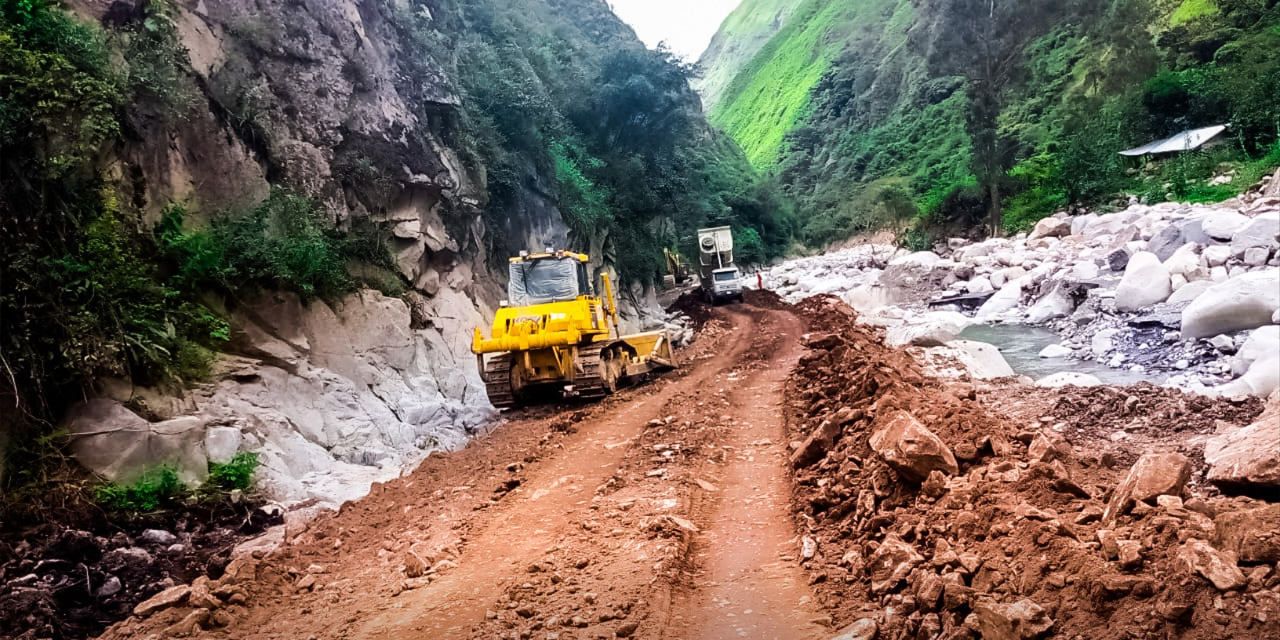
1182 141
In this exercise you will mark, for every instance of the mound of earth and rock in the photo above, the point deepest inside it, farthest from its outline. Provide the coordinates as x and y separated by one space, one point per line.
61 581
936 508
1182 295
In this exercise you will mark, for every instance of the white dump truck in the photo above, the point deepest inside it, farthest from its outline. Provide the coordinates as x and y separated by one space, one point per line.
720 279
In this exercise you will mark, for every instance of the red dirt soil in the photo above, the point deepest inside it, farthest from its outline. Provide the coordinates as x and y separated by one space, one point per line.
674 510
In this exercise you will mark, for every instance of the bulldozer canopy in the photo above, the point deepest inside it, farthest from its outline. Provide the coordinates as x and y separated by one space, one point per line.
545 280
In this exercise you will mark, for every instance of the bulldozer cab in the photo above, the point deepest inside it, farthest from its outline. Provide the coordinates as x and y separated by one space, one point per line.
546 278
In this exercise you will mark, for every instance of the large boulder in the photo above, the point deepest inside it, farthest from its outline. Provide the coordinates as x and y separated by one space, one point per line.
1218 567
982 360
1260 232
1004 300
929 330
1145 282
1246 301
1051 228
111 440
1248 458
1055 304
1252 534
1164 243
1185 262
1261 379
1222 224
1263 343
1189 291
911 449
1153 475
917 259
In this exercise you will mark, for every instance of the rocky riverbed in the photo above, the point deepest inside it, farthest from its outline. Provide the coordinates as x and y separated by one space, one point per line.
1181 295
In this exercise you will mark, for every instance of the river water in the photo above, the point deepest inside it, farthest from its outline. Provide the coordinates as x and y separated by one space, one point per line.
1021 345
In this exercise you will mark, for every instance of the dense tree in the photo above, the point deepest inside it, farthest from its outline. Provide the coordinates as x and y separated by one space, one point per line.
984 41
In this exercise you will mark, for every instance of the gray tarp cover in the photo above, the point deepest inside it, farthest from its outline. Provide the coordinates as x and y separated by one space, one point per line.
542 281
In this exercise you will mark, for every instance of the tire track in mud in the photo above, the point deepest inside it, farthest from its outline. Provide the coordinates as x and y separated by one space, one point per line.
520 532
749 584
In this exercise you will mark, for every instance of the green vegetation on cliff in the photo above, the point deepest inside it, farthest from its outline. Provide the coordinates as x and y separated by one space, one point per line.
1030 102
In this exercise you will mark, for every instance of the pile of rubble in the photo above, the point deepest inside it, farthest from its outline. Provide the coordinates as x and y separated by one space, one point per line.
930 516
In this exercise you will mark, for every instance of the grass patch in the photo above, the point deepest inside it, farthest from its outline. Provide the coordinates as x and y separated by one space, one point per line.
234 475
156 488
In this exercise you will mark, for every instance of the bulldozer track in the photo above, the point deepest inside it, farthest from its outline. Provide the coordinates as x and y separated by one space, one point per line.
497 381
592 383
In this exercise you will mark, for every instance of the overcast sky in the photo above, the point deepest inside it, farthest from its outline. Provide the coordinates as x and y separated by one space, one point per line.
685 25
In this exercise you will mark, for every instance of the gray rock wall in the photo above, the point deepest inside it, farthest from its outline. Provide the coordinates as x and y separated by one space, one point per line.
331 398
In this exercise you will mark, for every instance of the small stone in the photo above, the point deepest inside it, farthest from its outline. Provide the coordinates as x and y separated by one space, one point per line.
808 548
1129 553
158 536
200 597
109 588
306 583
863 629
1021 620
168 598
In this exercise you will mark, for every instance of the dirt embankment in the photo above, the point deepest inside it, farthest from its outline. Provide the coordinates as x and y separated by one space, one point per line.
945 510
69 569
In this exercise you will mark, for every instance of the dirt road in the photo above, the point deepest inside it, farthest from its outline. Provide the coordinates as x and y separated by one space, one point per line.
661 512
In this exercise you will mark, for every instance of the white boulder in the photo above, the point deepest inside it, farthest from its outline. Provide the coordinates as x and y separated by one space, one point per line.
1189 291
917 259
1055 304
1145 282
1262 343
928 330
1004 300
1222 224
983 360
1260 232
1102 341
1068 378
1055 351
1183 261
1217 255
1247 301
1051 228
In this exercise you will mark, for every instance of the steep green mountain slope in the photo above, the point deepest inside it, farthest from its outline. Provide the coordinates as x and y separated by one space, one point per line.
742 35
875 109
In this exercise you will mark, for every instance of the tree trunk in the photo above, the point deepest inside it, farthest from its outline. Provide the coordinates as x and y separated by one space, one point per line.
994 208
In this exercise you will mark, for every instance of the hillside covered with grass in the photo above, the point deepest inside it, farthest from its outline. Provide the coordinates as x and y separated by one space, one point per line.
940 110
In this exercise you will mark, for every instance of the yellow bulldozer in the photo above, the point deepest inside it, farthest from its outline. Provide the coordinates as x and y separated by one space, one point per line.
554 334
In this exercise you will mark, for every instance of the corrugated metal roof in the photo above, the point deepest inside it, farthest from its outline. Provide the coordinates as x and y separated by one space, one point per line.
1184 141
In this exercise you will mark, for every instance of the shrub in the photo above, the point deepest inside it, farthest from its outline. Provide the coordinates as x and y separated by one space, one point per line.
235 475
156 488
283 243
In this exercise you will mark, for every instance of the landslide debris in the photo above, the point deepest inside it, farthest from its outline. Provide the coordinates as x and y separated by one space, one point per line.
79 570
937 514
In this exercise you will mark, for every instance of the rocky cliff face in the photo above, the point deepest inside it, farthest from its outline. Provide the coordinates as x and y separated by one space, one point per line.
358 105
